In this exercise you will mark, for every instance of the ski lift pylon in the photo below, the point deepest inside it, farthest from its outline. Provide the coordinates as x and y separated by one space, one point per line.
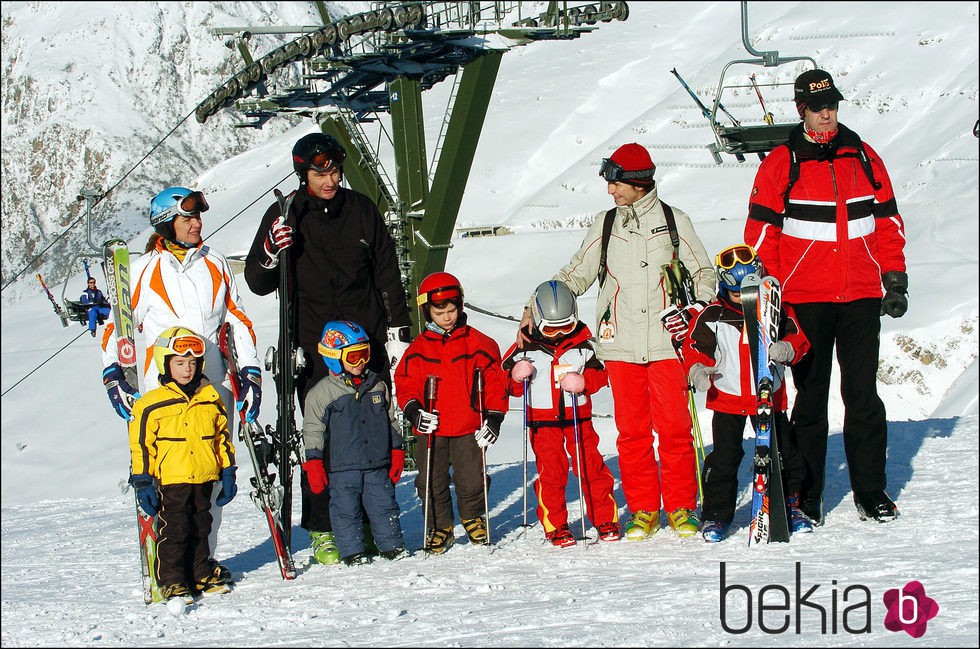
740 139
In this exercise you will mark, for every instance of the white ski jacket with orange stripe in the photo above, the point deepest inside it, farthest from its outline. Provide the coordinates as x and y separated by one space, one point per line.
199 293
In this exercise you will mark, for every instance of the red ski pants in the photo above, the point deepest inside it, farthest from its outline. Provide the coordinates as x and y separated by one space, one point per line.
652 397
553 446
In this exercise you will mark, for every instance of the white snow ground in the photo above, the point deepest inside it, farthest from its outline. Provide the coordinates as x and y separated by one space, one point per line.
69 565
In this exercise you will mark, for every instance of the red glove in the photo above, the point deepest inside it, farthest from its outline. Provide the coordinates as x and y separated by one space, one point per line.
397 465
316 475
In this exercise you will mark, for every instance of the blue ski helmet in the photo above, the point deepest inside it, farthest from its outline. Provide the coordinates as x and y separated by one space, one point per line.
337 336
732 265
172 201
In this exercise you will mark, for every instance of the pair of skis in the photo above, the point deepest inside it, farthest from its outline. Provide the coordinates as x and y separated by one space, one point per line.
266 494
116 255
761 308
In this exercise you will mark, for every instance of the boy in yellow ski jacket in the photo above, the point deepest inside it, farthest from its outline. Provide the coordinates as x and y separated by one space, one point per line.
181 449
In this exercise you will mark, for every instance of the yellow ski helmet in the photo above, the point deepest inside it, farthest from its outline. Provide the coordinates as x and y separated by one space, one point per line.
177 341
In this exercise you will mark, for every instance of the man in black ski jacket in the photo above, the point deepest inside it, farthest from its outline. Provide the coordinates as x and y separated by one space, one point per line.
344 267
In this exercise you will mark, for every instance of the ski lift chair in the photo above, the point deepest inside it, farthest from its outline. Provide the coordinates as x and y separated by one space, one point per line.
757 138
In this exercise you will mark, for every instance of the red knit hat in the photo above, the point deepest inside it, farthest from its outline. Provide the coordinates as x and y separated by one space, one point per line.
635 161
633 157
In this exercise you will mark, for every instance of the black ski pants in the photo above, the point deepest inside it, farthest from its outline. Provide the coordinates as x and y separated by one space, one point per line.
720 482
854 328
183 526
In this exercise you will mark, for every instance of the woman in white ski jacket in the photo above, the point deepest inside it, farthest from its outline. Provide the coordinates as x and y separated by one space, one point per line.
179 281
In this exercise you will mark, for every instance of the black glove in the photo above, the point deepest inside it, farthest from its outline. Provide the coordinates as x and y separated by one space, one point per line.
487 435
896 285
424 422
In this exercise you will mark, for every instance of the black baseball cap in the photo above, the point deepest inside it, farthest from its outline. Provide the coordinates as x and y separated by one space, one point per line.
816 89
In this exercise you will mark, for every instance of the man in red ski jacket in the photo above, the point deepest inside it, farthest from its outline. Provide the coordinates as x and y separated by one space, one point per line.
823 218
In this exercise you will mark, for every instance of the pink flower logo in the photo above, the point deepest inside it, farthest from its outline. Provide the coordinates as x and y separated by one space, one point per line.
909 609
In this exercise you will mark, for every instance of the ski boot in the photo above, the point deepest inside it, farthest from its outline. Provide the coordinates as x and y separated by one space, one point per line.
714 531
476 529
324 548
643 525
684 522
561 537
875 505
609 531
798 522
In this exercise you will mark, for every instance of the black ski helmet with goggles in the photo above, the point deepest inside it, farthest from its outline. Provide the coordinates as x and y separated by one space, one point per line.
317 151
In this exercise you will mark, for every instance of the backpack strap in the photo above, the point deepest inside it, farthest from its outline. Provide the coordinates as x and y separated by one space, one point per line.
603 250
675 240
794 170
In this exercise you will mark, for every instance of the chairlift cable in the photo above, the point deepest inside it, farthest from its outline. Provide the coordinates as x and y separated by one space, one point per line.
64 232
63 348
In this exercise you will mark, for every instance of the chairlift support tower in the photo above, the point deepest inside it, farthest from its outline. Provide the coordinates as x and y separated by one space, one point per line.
381 61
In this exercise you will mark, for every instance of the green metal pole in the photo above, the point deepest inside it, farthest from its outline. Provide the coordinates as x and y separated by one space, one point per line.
430 249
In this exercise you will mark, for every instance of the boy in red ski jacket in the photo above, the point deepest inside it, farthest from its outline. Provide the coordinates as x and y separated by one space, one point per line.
718 361
454 425
560 369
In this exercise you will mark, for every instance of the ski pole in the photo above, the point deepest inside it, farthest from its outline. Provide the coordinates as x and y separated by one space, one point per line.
431 385
698 442
54 303
527 385
704 109
480 387
766 115
578 461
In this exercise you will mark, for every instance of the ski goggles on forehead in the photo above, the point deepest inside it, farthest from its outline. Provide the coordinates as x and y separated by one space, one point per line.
182 345
612 172
438 297
191 205
728 257
552 330
324 160
354 355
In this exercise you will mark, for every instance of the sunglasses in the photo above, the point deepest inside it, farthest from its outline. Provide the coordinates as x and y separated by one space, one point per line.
355 355
324 160
438 297
819 109
552 331
191 205
182 345
728 257
612 172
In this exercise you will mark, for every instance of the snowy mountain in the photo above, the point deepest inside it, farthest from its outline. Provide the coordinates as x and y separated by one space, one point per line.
89 89
910 75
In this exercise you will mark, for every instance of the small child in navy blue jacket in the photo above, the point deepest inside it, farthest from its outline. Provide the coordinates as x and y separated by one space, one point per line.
353 445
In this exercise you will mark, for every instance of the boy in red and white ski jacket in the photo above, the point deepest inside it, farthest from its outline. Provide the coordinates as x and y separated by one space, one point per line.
551 422
717 348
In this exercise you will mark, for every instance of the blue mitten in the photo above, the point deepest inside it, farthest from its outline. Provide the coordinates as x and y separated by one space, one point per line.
146 493
251 395
228 486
